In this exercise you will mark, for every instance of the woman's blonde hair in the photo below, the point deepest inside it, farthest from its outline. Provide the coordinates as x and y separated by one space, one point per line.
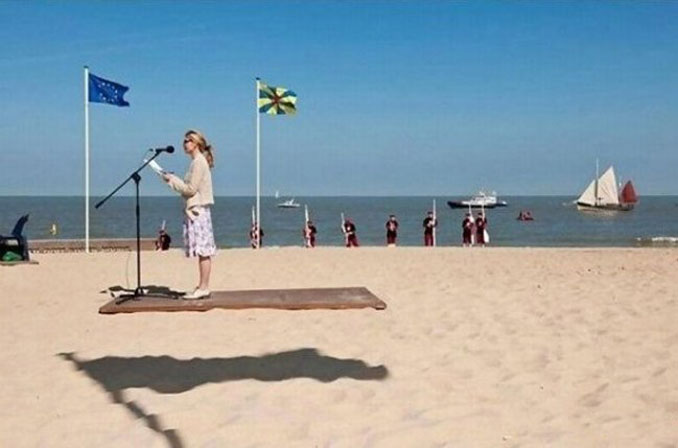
204 147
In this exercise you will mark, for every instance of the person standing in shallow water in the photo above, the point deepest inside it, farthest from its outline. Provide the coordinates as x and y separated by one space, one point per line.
309 231
481 226
196 189
467 230
350 233
429 224
391 231
256 236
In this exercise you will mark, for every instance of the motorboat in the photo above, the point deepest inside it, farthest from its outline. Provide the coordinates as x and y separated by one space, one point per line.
290 203
480 200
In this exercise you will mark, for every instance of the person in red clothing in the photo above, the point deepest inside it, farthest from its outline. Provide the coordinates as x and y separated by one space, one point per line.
467 230
256 236
429 224
391 231
350 233
481 226
164 240
309 233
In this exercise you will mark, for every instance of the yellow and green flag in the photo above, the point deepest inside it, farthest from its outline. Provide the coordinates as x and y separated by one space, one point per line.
276 100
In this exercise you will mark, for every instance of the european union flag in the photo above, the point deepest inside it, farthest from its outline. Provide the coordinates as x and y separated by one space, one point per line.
104 91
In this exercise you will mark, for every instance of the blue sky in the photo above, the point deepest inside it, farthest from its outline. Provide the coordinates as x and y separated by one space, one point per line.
394 98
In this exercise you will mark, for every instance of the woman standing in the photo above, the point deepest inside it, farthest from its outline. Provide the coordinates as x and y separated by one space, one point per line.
196 189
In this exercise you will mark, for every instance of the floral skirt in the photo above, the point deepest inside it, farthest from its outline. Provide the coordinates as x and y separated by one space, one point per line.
198 234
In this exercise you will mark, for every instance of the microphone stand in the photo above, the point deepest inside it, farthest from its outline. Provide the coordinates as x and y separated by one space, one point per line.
138 291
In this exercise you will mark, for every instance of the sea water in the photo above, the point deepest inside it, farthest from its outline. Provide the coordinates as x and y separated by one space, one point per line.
557 222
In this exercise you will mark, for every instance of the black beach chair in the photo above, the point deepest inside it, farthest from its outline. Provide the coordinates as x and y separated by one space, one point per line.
16 243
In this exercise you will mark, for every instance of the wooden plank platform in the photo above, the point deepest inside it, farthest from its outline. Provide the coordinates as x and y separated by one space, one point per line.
284 299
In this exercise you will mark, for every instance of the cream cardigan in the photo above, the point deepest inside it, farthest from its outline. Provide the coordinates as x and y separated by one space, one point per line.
196 188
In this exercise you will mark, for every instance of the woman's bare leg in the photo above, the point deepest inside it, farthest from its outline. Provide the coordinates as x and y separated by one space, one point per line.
205 267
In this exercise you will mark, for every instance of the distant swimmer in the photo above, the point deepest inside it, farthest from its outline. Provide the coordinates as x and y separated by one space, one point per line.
391 231
525 216
430 223
53 230
350 233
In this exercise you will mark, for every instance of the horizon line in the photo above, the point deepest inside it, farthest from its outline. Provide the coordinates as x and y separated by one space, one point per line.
309 196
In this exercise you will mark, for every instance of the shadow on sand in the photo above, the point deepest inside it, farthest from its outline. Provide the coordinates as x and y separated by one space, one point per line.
151 290
168 375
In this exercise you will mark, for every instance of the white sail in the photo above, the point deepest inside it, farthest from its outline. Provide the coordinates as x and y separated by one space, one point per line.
588 197
607 188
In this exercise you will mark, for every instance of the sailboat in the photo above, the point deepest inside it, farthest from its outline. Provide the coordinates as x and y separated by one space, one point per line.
603 194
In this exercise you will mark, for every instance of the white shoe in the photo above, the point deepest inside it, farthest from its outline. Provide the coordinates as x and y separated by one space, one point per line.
198 294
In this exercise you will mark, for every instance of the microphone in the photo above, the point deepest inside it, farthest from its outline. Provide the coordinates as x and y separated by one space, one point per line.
168 149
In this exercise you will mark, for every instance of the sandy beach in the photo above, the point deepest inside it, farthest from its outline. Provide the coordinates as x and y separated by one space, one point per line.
494 347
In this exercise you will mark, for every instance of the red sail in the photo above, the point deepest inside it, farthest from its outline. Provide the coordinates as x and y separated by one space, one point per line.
628 194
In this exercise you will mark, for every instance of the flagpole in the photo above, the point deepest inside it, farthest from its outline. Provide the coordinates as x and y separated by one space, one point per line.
86 79
256 105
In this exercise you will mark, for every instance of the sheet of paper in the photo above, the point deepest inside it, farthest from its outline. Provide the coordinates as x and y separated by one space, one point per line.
155 167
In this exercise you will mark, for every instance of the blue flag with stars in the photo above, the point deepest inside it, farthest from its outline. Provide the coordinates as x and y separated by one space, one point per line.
104 91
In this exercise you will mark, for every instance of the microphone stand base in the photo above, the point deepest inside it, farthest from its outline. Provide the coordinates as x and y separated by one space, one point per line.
140 293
